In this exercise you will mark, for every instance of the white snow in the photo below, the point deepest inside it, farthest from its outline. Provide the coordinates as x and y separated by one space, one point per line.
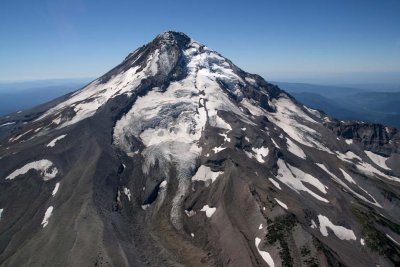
283 205
20 136
45 167
243 129
349 141
348 156
368 169
313 224
275 183
362 241
145 207
260 227
55 190
275 144
292 120
163 184
218 149
47 216
7 123
190 213
315 112
265 255
226 138
251 107
295 149
378 159
393 240
340 231
259 153
192 235
247 139
344 185
54 141
208 210
205 174
1 212
127 193
250 80
347 176
295 179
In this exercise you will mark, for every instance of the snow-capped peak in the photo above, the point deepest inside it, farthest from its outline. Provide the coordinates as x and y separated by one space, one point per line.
171 56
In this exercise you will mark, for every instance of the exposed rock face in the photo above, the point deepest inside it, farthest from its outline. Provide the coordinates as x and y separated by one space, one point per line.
178 157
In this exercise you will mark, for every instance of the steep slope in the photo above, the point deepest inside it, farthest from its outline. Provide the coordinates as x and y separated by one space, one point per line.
178 157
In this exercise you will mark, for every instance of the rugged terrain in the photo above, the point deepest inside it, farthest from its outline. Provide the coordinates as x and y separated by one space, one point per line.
176 157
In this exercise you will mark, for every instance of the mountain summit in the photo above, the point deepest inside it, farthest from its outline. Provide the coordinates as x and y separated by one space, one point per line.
178 157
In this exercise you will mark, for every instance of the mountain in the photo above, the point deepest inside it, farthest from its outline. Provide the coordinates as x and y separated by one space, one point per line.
348 103
177 157
329 91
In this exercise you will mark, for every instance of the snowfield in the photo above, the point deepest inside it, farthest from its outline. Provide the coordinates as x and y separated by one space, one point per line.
47 216
295 178
45 167
340 231
265 255
55 190
283 205
208 210
205 174
55 140
378 159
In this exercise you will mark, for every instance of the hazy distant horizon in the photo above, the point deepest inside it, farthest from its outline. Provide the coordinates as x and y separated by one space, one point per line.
357 80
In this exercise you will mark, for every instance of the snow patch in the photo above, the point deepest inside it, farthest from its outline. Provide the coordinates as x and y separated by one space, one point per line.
218 149
55 190
45 167
344 185
163 184
368 169
288 117
348 156
265 255
340 231
313 224
47 216
7 123
127 193
378 159
283 205
205 174
295 149
393 240
259 153
275 183
226 138
252 108
208 210
55 140
294 179
349 141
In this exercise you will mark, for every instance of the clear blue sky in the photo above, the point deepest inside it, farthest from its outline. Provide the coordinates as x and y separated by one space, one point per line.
281 40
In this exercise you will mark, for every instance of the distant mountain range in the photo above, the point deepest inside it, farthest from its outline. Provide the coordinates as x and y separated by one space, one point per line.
349 103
